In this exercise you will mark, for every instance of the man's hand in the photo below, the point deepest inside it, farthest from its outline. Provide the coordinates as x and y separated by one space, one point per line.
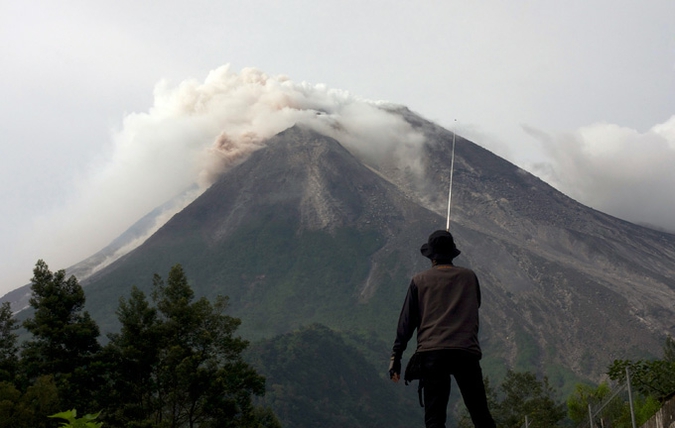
395 368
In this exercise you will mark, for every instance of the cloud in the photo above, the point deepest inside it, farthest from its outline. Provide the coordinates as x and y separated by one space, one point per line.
230 115
617 170
194 132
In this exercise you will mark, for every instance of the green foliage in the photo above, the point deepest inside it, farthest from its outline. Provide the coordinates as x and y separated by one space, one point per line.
61 330
86 421
316 379
302 279
28 409
178 363
522 394
562 379
264 417
64 337
11 411
615 413
654 378
131 357
276 277
9 359
652 383
645 408
577 403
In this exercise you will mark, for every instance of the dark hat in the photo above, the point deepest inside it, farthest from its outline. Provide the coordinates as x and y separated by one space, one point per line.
441 245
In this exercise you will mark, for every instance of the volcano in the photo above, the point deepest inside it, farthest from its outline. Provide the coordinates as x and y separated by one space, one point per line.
311 230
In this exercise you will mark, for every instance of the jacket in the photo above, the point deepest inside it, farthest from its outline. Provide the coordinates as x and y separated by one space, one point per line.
442 305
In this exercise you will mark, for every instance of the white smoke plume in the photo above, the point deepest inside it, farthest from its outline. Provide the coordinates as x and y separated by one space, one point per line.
194 132
216 124
616 170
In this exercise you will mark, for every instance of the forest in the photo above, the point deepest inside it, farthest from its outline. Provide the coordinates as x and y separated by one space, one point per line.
177 361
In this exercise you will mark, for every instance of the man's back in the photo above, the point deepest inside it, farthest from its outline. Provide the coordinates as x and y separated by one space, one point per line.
448 300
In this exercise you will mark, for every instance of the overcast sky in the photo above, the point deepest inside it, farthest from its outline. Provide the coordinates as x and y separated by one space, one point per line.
580 93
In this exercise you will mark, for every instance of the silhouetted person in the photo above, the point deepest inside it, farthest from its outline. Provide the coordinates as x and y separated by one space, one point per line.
442 305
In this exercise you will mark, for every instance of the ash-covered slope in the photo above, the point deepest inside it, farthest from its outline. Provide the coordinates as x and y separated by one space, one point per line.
130 239
301 232
305 231
587 287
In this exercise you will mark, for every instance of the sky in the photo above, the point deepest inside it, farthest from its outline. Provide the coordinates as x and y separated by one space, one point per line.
109 108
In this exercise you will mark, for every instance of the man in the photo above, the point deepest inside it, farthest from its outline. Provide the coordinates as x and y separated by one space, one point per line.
442 305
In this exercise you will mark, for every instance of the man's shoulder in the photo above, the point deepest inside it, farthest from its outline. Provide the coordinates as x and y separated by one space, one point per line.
440 270
465 270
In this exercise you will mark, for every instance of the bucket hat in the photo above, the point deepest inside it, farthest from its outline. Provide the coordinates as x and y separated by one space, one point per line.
441 245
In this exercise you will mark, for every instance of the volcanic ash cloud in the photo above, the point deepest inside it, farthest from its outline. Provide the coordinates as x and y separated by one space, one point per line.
197 130
616 169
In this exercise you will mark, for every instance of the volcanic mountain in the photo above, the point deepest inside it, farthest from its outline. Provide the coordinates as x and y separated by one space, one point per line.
310 230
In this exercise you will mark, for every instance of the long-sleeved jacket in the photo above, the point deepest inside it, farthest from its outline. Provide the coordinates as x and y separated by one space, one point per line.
442 304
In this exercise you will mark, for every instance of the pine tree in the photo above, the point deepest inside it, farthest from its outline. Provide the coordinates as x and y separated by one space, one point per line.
523 394
133 360
179 363
64 342
9 359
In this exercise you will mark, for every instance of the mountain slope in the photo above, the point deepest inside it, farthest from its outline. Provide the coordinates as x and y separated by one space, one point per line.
302 232
315 379
305 231
581 281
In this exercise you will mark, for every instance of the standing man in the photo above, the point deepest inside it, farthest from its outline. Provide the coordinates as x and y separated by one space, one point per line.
442 305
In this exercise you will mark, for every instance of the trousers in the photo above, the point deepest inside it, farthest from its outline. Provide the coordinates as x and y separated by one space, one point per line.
437 367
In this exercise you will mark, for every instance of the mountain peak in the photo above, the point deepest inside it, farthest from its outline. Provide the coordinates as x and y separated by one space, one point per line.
302 174
311 228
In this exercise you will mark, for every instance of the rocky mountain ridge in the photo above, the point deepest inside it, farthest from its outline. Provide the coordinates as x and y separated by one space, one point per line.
308 231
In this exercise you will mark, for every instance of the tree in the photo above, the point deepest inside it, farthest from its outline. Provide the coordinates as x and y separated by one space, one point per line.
577 403
179 364
524 395
519 395
64 342
11 410
614 413
652 382
132 358
28 410
9 359
655 378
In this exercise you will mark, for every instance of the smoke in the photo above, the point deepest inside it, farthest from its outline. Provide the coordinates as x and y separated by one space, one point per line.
216 124
615 169
192 134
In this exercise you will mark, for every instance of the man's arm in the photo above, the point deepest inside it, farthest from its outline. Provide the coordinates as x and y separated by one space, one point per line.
408 321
